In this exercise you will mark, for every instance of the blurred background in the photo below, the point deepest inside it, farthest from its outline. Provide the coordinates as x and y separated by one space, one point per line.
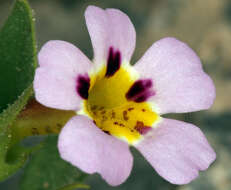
204 25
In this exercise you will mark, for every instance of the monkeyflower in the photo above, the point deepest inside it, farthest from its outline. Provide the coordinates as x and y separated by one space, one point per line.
119 105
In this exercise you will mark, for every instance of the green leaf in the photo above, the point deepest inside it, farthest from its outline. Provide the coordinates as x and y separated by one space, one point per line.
7 169
46 170
17 54
17 66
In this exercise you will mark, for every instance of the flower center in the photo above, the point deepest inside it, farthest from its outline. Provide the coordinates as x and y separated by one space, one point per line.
116 99
116 103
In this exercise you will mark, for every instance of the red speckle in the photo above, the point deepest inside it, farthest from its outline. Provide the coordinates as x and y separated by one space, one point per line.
125 115
113 114
141 128
130 109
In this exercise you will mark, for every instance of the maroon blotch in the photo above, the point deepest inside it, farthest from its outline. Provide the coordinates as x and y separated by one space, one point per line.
141 98
141 128
113 62
140 91
83 85
139 87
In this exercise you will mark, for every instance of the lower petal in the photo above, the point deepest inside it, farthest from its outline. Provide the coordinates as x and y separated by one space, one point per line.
177 150
84 145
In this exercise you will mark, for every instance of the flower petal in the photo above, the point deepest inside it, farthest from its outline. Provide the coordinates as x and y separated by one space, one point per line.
177 150
84 145
179 81
56 79
110 28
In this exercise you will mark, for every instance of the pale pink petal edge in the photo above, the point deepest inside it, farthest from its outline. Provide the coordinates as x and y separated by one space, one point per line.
56 79
177 151
87 147
179 82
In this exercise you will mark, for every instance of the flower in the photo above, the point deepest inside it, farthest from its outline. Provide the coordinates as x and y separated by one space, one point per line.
119 105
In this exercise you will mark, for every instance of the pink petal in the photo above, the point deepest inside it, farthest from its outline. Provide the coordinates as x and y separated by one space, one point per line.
55 80
179 82
110 28
84 145
177 150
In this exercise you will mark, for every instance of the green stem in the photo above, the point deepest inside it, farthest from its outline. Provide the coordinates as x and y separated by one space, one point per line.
75 186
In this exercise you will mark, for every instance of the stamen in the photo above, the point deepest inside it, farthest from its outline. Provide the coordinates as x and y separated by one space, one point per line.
83 85
113 62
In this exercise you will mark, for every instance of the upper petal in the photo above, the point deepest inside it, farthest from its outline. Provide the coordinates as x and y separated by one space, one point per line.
61 63
110 28
179 81
84 145
177 150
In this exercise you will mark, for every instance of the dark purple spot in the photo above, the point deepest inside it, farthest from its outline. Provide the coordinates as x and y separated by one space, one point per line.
139 87
140 91
142 98
113 62
83 85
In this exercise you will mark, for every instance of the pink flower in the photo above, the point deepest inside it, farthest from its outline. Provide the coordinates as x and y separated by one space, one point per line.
119 105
